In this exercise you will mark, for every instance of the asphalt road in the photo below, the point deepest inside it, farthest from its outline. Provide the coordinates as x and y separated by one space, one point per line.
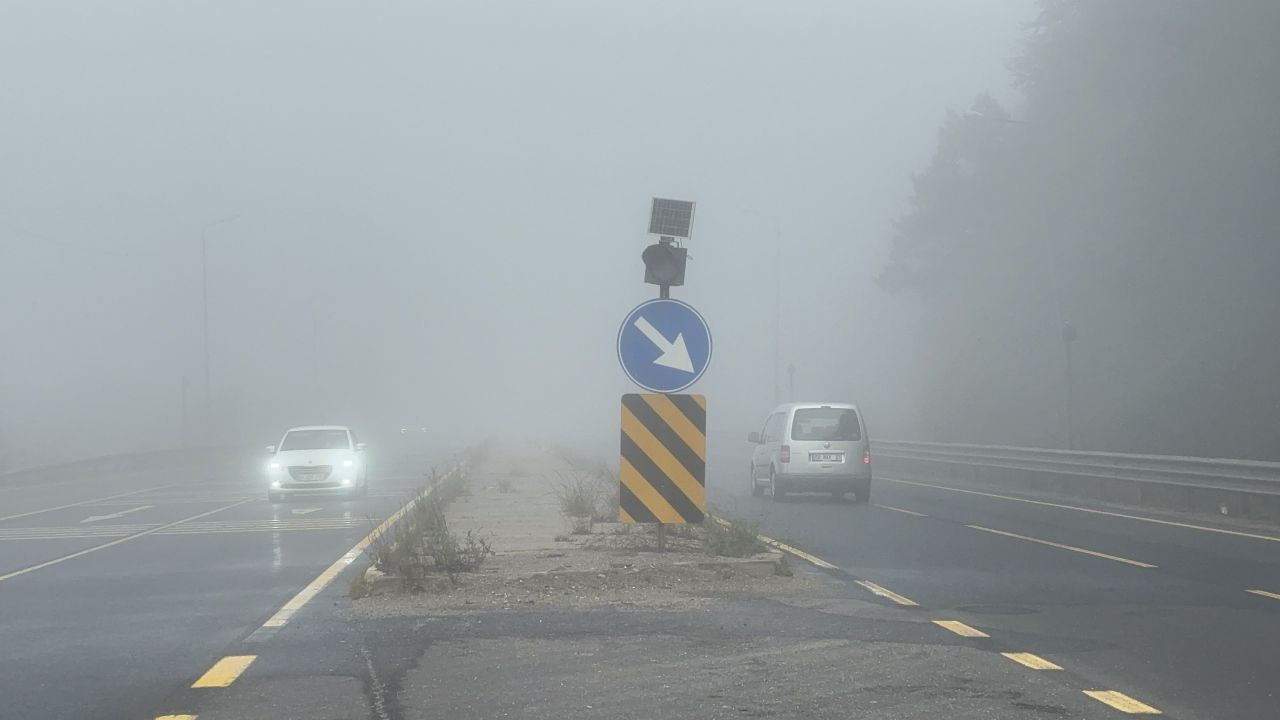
116 591
1159 611
116 594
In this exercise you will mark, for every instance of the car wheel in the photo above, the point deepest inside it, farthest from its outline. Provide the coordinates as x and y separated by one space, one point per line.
862 497
273 497
778 492
756 489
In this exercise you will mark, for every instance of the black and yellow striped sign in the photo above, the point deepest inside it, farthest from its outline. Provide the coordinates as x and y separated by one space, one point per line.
664 459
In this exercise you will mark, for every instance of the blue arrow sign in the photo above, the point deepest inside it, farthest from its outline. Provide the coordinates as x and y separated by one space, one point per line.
664 346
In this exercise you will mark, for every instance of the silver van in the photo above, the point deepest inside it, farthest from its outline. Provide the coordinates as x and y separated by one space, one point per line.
812 447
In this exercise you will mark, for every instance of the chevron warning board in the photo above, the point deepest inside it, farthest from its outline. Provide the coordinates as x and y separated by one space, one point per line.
664 459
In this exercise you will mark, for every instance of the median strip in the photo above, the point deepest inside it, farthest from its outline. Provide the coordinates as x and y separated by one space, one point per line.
225 671
1072 548
1035 662
1266 594
1122 702
176 717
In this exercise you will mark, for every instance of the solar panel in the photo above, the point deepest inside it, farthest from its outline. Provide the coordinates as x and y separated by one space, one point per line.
673 218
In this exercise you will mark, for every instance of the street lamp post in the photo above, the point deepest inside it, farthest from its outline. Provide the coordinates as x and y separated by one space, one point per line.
204 297
1068 337
777 300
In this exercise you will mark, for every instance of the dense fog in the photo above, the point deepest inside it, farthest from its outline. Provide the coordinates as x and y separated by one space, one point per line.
430 215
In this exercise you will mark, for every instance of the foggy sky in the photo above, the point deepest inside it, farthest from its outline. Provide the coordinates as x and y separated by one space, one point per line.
440 206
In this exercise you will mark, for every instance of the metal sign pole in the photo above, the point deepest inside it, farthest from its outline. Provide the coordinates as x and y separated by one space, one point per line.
664 293
672 480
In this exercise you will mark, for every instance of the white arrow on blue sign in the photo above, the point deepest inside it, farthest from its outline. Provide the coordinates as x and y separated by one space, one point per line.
664 346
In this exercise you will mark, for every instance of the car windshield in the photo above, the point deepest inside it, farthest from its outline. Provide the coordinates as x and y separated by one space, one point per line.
825 424
315 440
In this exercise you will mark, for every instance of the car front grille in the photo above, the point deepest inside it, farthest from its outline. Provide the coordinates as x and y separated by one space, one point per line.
310 473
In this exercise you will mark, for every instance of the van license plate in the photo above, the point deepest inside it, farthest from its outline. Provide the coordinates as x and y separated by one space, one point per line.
826 457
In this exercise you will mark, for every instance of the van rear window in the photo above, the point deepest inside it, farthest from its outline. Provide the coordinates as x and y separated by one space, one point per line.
828 424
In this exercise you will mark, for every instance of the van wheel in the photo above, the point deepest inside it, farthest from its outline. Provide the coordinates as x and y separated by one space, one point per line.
862 497
778 493
756 489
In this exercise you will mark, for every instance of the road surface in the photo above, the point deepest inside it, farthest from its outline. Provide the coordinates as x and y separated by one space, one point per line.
119 594
116 591
1160 611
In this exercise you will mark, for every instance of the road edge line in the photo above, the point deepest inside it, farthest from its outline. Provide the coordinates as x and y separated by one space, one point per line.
286 612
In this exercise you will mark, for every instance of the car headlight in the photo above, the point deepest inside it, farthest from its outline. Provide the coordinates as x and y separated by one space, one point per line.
274 466
348 463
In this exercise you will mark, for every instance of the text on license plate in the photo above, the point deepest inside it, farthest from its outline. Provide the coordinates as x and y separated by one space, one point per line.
826 457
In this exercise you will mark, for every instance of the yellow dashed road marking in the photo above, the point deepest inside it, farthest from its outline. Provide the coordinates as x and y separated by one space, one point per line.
1264 593
798 553
1060 546
225 671
786 548
1122 702
887 593
960 628
176 717
898 509
285 613
877 589
1035 662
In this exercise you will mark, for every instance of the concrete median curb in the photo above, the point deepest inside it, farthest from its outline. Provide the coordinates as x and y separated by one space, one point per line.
760 565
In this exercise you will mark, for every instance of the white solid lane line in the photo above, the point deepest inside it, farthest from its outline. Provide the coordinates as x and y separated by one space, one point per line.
113 516
1062 546
113 543
901 510
1190 526
86 502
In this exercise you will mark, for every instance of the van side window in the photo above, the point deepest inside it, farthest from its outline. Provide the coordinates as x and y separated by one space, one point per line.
773 428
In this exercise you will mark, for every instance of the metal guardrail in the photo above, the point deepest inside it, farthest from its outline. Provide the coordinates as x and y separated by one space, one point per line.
1243 476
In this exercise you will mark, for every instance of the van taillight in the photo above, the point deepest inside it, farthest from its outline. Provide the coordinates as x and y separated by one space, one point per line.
866 457
785 454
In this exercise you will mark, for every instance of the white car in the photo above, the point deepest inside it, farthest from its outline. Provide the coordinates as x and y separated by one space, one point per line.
317 458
